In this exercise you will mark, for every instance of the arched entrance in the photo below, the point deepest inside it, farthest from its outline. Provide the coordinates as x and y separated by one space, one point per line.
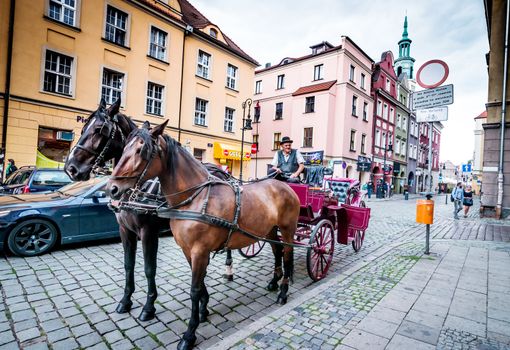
348 171
410 182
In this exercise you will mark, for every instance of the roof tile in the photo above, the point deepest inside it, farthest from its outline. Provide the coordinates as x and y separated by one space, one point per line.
314 88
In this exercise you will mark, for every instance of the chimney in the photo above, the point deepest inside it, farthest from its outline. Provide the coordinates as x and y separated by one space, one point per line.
268 65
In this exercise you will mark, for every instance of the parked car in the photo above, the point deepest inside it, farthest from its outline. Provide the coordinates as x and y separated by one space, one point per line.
31 224
32 179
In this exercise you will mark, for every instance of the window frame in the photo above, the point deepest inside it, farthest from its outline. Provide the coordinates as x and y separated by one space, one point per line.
308 137
354 105
352 142
365 111
154 99
280 82
231 78
362 81
363 144
201 64
157 45
201 113
127 30
277 137
77 12
231 121
318 72
72 75
310 106
378 138
379 109
258 87
124 83
352 72
276 116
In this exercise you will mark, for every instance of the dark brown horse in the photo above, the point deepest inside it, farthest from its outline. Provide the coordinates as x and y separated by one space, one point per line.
263 207
103 138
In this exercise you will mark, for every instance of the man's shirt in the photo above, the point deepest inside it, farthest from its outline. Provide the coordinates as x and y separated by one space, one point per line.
299 158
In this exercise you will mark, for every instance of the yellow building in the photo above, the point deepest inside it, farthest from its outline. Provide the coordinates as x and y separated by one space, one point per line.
164 58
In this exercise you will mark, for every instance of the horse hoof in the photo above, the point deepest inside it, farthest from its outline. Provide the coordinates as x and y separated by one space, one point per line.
186 344
147 315
203 316
228 277
123 308
272 286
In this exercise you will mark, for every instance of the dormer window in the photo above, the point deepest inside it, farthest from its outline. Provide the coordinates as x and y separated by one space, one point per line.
213 32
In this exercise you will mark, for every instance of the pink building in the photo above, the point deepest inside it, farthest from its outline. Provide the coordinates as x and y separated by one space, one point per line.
322 101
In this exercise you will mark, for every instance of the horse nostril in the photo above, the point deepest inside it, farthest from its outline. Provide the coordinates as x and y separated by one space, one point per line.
71 169
114 190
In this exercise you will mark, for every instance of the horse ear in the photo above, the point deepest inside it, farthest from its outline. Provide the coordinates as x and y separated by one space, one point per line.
158 130
114 108
102 104
146 125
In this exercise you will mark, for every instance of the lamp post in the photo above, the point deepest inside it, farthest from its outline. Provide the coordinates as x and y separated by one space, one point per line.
256 120
387 148
246 126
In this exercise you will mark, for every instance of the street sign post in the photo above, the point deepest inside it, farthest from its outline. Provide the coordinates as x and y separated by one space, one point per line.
439 96
466 168
428 115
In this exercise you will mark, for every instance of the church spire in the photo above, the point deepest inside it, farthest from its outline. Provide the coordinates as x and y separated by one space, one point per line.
405 63
404 34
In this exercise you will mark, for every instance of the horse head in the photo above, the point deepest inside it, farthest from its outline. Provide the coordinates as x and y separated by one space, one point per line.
95 145
142 159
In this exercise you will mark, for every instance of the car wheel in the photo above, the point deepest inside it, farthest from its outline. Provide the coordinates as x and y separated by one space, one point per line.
32 237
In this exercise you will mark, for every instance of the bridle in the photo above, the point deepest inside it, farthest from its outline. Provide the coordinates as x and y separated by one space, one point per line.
113 127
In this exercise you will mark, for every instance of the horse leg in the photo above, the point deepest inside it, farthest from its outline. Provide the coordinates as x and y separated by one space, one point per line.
129 244
199 264
150 251
204 300
229 267
288 270
278 253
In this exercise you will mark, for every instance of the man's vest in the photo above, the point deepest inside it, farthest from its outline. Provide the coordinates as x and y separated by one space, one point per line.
289 166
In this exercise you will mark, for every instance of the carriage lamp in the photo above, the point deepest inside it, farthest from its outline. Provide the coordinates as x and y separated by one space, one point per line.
246 126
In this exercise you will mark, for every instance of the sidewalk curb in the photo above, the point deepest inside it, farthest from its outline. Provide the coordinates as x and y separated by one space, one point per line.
265 320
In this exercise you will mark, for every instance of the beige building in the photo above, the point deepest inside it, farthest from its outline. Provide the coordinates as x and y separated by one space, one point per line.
163 58
476 182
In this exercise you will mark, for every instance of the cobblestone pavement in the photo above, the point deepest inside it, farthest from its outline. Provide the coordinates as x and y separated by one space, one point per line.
66 299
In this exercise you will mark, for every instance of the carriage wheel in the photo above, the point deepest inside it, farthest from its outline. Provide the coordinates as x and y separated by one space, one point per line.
320 250
362 204
252 250
357 242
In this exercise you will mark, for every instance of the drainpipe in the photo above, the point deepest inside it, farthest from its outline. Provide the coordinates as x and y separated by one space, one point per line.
499 205
187 31
7 94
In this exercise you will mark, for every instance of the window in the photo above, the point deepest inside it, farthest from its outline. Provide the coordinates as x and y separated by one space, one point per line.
201 112
154 98
354 103
404 123
403 148
116 26
198 153
58 70
256 140
310 104
258 86
280 81
411 129
378 138
351 73
363 143
63 11
157 47
399 121
307 137
279 111
276 140
397 146
365 111
113 83
385 116
352 146
203 64
379 108
231 77
392 114
383 141
213 32
388 84
228 124
318 71
362 81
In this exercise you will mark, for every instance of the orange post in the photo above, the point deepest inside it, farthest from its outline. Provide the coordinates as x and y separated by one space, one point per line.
425 211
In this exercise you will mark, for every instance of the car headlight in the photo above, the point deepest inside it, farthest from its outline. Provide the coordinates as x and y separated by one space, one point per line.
4 213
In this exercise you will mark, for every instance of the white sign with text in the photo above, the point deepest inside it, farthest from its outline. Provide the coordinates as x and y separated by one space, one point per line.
440 96
438 114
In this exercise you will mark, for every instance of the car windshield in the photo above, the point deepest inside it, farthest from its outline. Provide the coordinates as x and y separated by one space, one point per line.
50 178
80 187
19 177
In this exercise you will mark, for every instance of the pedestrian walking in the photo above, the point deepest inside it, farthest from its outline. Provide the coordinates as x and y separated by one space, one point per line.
468 200
370 188
11 167
458 198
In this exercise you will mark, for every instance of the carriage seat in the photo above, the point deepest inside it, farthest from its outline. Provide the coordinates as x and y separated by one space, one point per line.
340 189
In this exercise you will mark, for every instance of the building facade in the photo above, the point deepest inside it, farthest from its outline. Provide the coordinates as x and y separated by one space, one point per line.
478 152
322 101
164 59
384 94
402 129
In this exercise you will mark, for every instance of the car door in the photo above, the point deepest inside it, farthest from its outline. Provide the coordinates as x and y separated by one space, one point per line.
96 219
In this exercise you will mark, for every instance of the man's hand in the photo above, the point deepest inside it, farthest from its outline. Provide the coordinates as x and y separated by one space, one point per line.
278 170
293 175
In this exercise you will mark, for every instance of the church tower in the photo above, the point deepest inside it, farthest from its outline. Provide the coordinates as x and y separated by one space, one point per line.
405 63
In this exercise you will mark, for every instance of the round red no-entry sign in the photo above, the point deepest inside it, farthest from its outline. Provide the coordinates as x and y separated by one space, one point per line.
254 148
432 74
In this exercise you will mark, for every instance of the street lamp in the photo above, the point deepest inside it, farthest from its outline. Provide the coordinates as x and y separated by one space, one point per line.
388 148
246 126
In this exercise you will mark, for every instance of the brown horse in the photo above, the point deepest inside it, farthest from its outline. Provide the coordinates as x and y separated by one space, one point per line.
263 207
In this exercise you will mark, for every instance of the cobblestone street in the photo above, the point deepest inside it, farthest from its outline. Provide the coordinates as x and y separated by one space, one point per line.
371 299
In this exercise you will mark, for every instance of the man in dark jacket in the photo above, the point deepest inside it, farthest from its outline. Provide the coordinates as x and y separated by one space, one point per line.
288 161
11 167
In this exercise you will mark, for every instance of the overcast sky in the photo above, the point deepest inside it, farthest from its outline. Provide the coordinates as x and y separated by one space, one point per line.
454 31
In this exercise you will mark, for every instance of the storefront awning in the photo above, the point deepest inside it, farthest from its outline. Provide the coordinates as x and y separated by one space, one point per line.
224 151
